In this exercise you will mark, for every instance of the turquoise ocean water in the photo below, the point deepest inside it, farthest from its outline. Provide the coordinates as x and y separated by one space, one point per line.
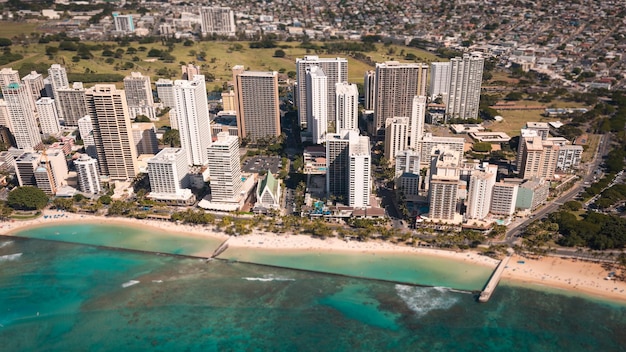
69 297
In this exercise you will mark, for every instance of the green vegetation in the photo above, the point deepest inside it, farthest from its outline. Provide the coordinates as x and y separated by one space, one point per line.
595 230
27 198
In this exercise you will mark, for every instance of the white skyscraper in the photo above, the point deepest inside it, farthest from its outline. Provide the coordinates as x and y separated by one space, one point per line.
117 157
169 177
439 79
85 128
347 106
165 92
71 103
348 162
192 113
52 171
480 192
466 75
48 118
23 119
5 119
34 82
88 177
428 143
8 76
225 168
396 136
123 23
58 78
317 105
418 117
408 173
218 20
139 95
503 198
396 84
444 185
336 71
368 87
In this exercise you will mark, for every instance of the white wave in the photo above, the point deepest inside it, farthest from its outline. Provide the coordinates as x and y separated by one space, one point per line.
266 278
157 281
423 300
130 283
7 243
10 257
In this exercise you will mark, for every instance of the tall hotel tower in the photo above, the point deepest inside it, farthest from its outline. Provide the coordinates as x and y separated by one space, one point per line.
139 95
336 71
57 77
192 114
23 120
317 105
347 105
112 132
217 20
256 99
70 103
348 162
225 168
466 75
439 79
395 86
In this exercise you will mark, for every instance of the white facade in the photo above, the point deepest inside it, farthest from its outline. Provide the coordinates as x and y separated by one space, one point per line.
396 136
444 185
192 113
368 87
5 120
569 157
123 23
317 105
48 118
407 161
85 128
348 164
347 106
466 75
23 119
336 71
430 143
218 20
418 117
168 171
8 76
58 79
360 179
165 92
139 95
503 198
439 79
88 176
34 82
225 168
480 192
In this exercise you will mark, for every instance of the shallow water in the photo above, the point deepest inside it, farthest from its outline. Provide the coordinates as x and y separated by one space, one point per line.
60 297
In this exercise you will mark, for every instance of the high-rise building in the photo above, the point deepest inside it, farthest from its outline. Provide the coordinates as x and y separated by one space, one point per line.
22 116
408 173
258 111
5 119
348 164
85 128
569 157
539 159
218 20
58 79
368 88
165 92
123 23
192 113
190 71
316 103
396 84
25 166
48 118
416 125
396 137
169 176
71 103
336 71
144 135
444 185
139 95
504 196
429 143
51 173
466 75
542 128
439 80
225 168
480 192
34 82
532 194
347 106
88 177
117 157
525 134
8 76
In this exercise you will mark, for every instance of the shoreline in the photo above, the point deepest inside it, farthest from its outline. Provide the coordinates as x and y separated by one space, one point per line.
573 276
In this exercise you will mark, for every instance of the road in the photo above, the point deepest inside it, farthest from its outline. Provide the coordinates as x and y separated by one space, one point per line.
603 149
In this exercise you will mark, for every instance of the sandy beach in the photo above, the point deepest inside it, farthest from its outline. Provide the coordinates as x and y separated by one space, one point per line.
567 274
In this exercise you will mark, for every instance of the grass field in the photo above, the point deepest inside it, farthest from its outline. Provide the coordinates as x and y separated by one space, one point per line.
220 58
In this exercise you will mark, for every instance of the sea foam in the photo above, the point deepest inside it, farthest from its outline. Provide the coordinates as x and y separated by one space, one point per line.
268 278
10 257
4 244
422 300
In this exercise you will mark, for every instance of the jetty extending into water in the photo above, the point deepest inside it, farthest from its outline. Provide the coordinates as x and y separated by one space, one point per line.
494 280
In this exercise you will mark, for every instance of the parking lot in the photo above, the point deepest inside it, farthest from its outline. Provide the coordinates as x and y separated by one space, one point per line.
257 164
